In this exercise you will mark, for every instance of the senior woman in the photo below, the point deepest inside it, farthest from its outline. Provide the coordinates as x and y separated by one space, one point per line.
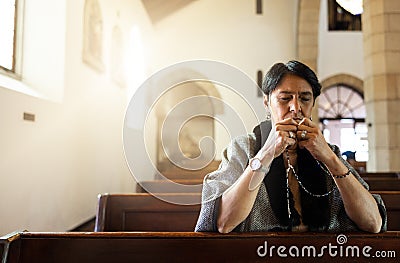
284 176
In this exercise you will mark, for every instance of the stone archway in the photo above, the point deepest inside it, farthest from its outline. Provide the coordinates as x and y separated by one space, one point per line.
347 79
183 141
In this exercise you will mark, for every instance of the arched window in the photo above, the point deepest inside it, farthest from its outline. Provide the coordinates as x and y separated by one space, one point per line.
341 102
341 111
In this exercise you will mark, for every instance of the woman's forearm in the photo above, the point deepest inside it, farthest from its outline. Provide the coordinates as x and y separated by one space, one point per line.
359 204
237 202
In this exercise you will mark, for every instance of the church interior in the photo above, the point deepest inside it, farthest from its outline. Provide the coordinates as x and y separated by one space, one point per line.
104 103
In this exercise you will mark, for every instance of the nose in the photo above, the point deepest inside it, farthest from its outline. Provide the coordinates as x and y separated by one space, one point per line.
295 105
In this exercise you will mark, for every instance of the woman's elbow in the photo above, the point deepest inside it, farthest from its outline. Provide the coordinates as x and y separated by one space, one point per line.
223 230
223 227
374 226
373 229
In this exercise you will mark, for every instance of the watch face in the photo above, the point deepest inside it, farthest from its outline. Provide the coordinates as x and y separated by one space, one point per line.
255 164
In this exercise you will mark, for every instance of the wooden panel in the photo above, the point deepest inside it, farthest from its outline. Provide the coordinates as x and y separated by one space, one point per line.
173 175
10 247
172 172
203 247
392 204
145 212
166 186
383 184
381 174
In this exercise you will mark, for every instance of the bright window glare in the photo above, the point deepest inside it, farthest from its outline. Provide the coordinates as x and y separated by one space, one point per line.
327 135
7 18
353 6
349 136
355 142
348 139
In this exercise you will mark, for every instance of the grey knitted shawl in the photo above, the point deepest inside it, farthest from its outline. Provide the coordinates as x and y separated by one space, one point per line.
262 218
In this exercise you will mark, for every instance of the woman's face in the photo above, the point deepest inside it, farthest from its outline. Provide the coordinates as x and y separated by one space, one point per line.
292 98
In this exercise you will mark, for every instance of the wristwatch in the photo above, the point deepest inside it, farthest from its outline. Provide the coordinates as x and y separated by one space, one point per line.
256 165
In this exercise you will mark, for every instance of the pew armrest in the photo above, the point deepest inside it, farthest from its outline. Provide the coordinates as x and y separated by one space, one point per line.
8 253
101 212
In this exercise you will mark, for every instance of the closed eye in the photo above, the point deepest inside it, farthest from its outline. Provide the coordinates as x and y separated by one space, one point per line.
286 98
305 98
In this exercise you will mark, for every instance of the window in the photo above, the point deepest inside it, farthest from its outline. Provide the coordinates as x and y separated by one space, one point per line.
341 110
7 33
10 24
341 102
341 19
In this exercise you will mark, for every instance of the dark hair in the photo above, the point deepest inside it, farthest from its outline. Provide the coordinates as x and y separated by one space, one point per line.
279 70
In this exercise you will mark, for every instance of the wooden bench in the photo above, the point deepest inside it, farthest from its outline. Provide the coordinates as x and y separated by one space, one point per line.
167 186
381 174
145 212
173 172
359 166
383 183
187 175
392 204
195 185
199 247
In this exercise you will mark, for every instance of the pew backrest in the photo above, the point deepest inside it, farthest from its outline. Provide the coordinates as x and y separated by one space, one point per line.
167 186
392 204
145 212
383 183
381 174
201 247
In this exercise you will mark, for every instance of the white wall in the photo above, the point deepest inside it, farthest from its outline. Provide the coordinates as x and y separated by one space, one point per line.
43 50
53 169
338 51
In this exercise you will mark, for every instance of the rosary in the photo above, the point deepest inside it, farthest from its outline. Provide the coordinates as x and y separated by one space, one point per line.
290 167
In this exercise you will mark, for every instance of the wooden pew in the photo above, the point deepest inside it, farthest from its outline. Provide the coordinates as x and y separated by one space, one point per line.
383 183
392 203
145 212
167 186
186 175
381 174
359 166
199 247
195 185
376 181
173 172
